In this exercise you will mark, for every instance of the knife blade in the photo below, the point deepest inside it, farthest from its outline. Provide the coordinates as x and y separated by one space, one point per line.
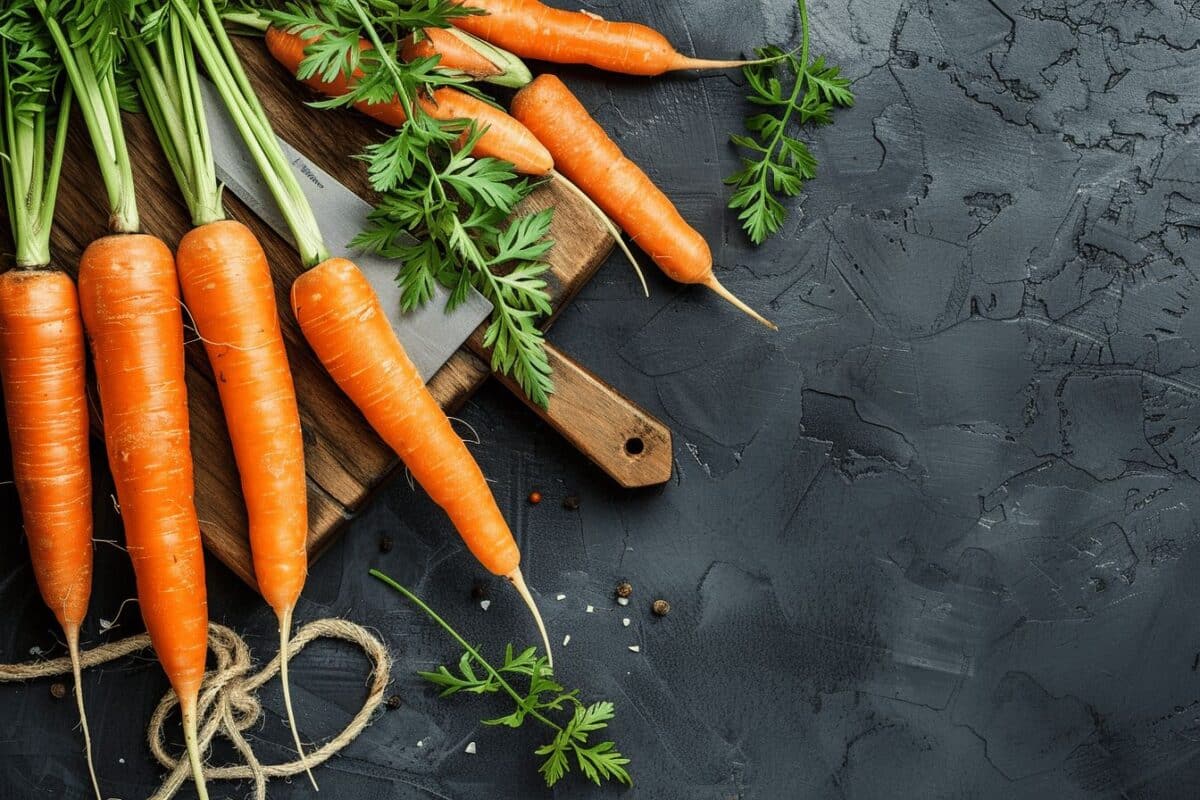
430 334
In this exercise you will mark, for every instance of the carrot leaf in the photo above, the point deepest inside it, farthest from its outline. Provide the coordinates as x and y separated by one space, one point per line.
776 164
598 761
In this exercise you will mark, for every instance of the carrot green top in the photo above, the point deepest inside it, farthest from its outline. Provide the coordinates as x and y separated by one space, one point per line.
29 76
164 60
85 35
203 25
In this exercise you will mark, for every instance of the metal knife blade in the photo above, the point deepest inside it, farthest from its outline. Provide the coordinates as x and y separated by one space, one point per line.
430 334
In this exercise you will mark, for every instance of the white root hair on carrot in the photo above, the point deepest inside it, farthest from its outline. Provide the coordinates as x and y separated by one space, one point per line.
478 440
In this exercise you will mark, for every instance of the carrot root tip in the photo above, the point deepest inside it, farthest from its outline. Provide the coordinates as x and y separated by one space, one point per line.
77 671
193 748
716 286
285 629
608 224
518 581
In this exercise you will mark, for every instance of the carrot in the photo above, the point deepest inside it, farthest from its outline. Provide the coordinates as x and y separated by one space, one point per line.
503 137
129 298
534 30
460 53
42 364
227 286
42 350
342 319
594 162
344 323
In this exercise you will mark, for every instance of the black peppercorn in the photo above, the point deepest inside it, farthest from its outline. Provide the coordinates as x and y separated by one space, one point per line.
624 589
661 608
571 502
393 702
385 544
58 691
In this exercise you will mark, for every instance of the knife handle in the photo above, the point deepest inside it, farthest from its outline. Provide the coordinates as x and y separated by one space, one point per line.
617 434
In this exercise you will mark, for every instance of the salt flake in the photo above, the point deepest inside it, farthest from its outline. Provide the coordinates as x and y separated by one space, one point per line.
591 609
566 640
624 601
633 648
485 604
625 622
470 748
560 597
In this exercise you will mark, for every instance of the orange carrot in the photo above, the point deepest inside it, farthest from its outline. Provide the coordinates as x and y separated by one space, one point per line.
42 349
344 323
227 286
534 30
594 162
42 363
129 295
503 137
461 53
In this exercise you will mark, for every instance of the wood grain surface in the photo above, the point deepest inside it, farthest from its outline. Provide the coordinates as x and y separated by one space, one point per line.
345 459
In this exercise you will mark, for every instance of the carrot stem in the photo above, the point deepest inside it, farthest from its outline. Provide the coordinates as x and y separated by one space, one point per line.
72 633
419 603
285 633
247 19
225 71
30 186
97 96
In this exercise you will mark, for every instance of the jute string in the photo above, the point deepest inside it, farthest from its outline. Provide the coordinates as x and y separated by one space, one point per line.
228 700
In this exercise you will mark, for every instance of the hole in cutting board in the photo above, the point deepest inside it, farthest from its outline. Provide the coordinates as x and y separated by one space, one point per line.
634 446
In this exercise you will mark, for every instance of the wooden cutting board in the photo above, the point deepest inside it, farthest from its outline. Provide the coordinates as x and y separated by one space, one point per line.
346 461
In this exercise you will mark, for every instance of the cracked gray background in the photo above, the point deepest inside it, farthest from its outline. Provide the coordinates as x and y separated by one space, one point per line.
935 538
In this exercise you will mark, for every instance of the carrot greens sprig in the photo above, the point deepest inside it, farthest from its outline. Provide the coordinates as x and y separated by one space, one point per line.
443 212
30 121
778 163
86 37
598 762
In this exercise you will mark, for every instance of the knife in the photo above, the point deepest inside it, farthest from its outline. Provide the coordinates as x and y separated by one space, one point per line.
624 440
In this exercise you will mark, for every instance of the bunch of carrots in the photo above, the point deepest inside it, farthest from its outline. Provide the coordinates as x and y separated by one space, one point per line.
133 288
549 133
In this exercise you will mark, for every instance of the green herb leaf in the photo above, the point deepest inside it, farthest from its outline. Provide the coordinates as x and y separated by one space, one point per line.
778 164
598 762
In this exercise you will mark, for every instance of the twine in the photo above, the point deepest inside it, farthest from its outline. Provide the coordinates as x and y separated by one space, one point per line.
228 700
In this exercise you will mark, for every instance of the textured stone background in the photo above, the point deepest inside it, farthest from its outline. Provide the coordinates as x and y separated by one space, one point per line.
936 538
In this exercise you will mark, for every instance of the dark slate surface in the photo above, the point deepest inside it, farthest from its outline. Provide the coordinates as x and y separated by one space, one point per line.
936 538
